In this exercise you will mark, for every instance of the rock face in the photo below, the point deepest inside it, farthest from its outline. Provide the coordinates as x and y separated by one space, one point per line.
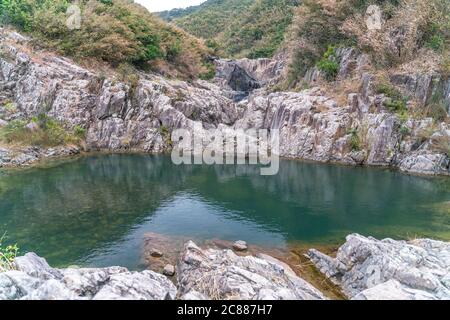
215 274
121 117
34 279
366 268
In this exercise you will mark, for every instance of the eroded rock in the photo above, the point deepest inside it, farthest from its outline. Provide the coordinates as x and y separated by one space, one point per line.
366 268
34 279
312 125
221 274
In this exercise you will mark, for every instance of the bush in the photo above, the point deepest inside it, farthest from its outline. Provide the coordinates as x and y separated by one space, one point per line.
10 107
14 131
389 90
48 133
355 141
128 74
409 25
396 102
116 32
250 28
7 255
210 74
330 68
437 111
395 105
79 132
329 64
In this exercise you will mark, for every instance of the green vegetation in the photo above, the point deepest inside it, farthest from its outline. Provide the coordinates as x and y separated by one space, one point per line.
239 28
210 18
7 255
329 64
355 141
41 131
396 102
116 31
319 24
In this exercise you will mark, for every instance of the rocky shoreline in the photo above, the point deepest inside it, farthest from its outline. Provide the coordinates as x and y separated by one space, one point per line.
120 117
364 268
18 157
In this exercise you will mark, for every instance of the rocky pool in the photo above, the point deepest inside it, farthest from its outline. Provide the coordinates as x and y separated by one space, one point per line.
96 210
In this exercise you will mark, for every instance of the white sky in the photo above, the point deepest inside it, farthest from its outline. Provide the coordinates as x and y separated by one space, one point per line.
161 5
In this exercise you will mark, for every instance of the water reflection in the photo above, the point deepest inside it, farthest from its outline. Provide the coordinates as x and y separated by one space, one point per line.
95 210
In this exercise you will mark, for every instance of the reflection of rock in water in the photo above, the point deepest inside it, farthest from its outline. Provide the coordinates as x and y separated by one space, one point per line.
443 207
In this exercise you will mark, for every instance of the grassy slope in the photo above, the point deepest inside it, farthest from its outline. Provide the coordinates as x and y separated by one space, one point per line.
239 28
115 31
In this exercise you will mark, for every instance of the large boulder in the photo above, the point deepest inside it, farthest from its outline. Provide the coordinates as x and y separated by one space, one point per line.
34 279
221 274
366 268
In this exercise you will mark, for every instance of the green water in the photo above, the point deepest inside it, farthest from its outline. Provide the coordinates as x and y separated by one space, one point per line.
94 211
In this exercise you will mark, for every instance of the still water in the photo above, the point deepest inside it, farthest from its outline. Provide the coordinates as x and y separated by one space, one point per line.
95 211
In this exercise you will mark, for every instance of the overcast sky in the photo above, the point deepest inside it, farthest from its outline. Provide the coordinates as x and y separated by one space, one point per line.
161 5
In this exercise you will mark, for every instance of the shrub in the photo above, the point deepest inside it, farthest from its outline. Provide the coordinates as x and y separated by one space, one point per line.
404 130
437 111
7 255
210 73
395 105
250 28
329 64
128 74
79 132
436 42
396 102
442 144
389 90
14 131
409 25
116 32
10 107
330 68
355 141
49 133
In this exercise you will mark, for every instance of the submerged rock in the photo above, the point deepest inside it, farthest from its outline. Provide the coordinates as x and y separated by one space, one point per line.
221 274
34 279
156 253
366 268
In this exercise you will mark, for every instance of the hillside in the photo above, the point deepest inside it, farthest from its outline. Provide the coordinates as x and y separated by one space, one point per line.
120 33
412 39
208 19
238 28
